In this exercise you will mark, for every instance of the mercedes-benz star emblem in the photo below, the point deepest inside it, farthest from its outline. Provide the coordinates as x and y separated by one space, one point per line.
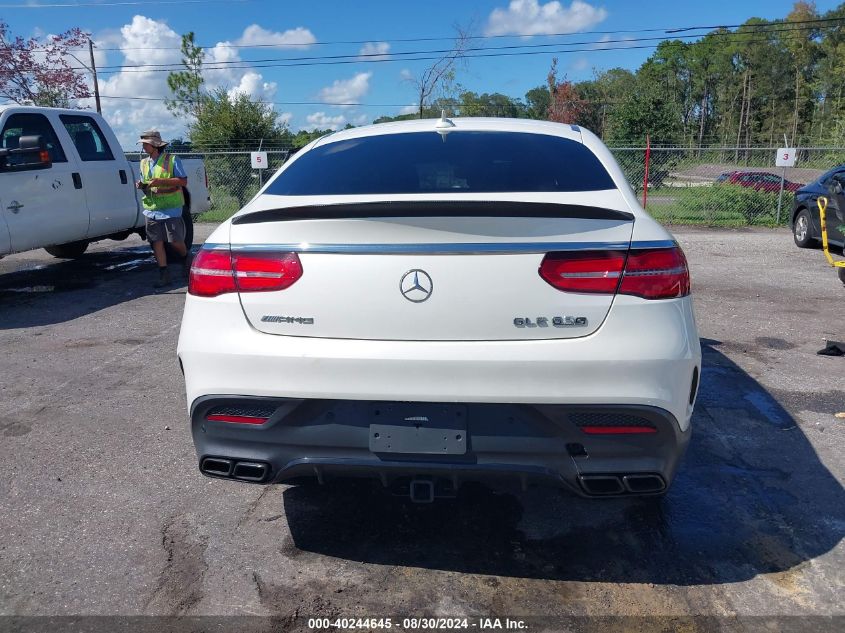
416 285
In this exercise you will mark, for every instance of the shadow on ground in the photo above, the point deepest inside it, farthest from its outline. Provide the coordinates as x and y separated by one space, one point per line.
48 293
751 497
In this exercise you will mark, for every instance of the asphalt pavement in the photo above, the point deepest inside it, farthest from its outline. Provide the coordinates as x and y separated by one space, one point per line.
105 513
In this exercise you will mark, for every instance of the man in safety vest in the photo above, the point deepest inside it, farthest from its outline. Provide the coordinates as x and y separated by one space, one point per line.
162 179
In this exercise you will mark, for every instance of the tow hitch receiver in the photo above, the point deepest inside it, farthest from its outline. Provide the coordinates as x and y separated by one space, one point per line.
422 491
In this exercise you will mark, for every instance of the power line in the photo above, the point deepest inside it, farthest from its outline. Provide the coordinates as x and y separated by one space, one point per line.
670 30
595 45
286 103
245 65
400 56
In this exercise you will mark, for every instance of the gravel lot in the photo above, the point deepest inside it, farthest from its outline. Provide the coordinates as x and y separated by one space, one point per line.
105 513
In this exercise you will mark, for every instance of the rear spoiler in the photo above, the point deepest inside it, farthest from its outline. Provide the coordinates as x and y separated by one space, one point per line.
434 208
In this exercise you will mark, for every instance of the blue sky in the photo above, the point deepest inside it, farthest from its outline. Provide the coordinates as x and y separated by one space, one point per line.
149 33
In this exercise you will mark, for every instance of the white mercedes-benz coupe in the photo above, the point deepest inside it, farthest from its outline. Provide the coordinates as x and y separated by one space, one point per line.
439 301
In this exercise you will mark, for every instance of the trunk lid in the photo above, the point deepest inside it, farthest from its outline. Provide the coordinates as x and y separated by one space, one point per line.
430 270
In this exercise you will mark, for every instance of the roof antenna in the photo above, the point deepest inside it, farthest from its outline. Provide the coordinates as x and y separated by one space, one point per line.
444 125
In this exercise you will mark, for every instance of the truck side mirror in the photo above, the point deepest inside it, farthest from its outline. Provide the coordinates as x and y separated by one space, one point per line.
31 153
836 187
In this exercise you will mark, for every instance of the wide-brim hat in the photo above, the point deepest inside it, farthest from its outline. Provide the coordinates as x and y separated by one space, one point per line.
153 137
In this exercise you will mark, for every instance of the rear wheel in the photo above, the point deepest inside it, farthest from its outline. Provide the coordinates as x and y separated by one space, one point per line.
802 230
841 273
71 250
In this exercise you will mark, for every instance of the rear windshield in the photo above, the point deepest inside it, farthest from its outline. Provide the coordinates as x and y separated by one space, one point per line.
425 162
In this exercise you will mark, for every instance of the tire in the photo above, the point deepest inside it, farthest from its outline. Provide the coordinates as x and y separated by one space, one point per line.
71 250
802 230
841 273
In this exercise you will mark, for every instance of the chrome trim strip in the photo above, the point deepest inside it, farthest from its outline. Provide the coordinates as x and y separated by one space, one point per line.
653 244
443 248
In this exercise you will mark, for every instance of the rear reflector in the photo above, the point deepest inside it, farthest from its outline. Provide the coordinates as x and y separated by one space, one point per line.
215 272
650 274
236 419
617 430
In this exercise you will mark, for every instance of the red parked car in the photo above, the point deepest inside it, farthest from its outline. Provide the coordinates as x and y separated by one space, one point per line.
759 180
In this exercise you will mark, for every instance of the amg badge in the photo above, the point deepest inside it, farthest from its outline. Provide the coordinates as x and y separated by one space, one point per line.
558 321
272 318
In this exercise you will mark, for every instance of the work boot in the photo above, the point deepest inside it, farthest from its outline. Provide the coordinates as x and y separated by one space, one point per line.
163 278
186 264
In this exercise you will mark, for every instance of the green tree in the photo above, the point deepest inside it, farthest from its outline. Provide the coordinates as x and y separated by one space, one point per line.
644 112
537 101
227 122
493 105
187 85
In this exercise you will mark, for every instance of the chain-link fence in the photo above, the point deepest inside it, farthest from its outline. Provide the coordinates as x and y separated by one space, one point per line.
719 186
722 186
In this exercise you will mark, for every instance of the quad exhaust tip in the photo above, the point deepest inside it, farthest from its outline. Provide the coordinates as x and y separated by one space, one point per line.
632 484
255 472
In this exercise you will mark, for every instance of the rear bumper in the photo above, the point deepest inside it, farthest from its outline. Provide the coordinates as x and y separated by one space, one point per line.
644 354
540 443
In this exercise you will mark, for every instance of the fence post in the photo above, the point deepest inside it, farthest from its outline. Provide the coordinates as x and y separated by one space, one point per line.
645 179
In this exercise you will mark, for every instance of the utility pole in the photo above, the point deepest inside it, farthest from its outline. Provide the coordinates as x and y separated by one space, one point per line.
94 72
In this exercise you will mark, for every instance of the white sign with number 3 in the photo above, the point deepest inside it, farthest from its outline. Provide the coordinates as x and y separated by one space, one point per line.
785 157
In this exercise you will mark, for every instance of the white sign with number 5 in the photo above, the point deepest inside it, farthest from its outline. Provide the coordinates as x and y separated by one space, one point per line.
259 160
785 157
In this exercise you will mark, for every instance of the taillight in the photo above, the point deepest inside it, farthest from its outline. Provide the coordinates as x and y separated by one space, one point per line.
261 272
215 272
584 271
656 274
650 274
211 274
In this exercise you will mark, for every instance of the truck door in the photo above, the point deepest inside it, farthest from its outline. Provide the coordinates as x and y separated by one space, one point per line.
41 207
106 179
5 242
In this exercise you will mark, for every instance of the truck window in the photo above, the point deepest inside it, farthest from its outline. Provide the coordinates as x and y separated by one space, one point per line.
30 124
87 137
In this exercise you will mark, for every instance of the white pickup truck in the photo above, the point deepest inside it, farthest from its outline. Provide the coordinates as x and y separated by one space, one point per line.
65 182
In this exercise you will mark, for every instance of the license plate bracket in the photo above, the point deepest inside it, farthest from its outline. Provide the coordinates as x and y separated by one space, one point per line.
419 428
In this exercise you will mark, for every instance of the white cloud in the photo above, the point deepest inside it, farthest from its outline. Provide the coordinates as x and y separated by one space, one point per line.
147 41
406 74
410 109
285 118
529 17
375 50
346 90
252 85
322 121
254 35
129 117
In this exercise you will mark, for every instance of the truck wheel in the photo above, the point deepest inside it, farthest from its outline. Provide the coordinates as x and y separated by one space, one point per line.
71 250
841 273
